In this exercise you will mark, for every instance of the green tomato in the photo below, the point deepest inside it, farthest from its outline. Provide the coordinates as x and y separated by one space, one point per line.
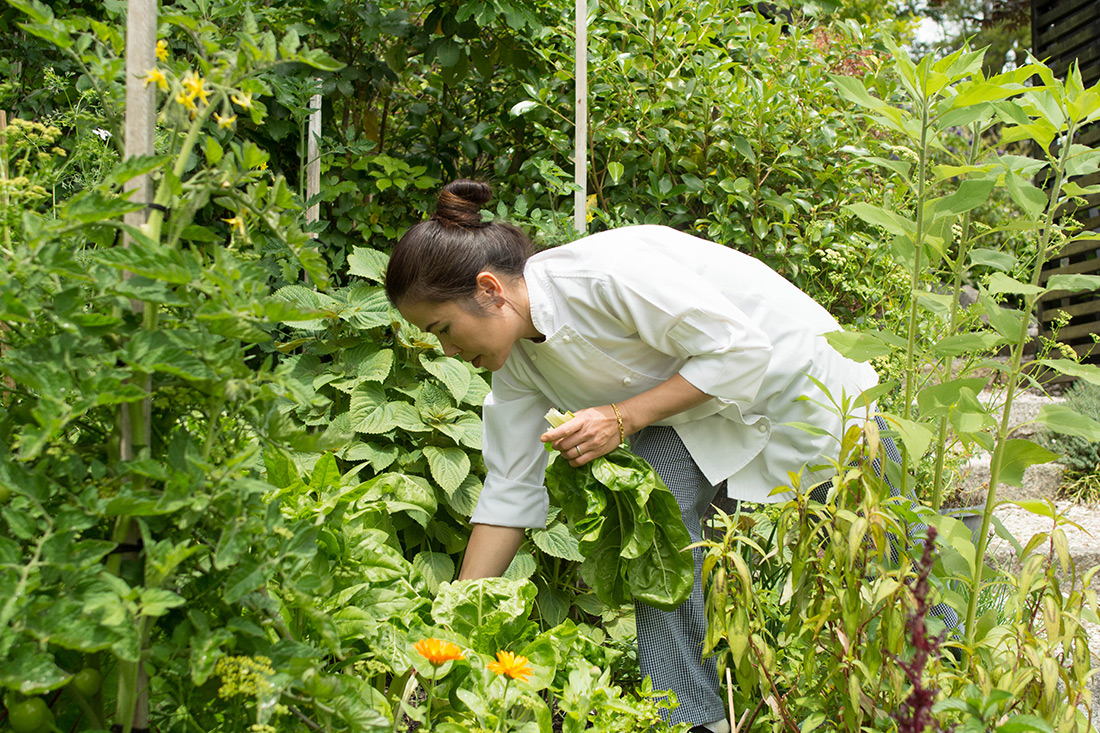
30 716
87 681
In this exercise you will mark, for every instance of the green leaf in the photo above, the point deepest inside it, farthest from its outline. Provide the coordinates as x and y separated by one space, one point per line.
615 169
935 400
965 343
451 372
889 220
436 567
134 166
368 263
915 436
159 601
449 466
214 151
853 90
1074 283
557 541
996 259
491 612
971 193
1031 199
858 345
1025 722
404 493
1007 321
1018 455
1088 372
1002 283
1066 420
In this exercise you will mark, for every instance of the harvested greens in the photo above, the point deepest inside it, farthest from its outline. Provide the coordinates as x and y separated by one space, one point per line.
627 524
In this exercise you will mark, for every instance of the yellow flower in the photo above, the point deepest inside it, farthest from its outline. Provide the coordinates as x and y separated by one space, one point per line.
193 83
162 50
186 100
508 663
243 100
262 165
437 651
156 76
236 223
225 122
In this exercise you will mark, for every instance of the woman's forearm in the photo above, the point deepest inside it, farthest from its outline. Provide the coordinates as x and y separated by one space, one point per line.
490 551
671 397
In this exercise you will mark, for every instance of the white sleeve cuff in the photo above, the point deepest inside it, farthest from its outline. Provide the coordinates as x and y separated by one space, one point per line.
511 504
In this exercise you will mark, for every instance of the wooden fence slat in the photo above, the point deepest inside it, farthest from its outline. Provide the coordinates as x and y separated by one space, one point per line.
1046 13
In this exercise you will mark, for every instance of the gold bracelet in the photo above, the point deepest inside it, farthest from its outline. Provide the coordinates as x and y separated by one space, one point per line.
619 417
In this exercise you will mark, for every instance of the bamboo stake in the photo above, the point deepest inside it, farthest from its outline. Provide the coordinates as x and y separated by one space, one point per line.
580 157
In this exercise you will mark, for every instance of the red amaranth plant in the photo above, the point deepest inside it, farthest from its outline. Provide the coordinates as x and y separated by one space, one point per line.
915 714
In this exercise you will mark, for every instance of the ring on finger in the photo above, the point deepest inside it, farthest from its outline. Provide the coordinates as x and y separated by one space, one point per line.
579 451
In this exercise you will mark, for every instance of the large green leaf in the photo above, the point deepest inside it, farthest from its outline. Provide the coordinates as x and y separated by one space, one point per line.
1018 455
367 263
858 345
451 372
490 612
557 541
1066 420
935 400
914 436
449 466
1088 372
967 343
891 221
436 567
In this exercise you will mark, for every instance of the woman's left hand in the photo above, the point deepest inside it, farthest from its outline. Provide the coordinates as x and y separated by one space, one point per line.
593 432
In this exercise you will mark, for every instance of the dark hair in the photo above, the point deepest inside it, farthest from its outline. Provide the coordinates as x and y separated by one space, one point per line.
438 260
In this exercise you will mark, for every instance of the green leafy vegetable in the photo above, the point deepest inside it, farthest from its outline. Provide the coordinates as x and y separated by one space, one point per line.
626 523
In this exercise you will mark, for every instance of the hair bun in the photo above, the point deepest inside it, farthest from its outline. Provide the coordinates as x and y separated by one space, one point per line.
459 203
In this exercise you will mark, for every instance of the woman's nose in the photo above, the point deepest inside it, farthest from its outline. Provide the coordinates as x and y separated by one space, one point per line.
450 349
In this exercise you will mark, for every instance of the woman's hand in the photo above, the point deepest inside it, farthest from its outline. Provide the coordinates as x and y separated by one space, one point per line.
593 432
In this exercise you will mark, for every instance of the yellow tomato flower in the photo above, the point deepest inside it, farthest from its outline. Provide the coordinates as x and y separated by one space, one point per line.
236 223
225 122
193 83
186 100
162 50
243 100
438 651
156 76
509 664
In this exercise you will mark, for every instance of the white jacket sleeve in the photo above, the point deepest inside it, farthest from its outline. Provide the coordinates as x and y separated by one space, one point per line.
515 459
679 313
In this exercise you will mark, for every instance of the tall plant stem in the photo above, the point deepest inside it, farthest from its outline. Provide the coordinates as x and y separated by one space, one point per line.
1013 379
918 245
953 324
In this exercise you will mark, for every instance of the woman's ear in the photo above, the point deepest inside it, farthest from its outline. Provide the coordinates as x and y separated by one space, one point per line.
490 290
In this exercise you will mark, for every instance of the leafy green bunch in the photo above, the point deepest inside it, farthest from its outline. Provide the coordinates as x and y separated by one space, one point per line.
627 528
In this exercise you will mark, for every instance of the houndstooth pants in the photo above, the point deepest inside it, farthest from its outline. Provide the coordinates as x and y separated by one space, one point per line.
670 643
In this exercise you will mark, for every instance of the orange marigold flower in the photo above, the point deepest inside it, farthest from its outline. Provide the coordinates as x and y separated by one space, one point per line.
438 651
508 663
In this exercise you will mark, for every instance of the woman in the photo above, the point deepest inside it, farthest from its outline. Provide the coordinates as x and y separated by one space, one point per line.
697 353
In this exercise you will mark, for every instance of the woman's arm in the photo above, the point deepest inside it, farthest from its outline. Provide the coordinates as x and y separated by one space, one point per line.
490 550
595 431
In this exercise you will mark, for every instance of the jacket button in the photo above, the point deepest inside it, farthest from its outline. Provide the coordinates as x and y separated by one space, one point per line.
627 381
761 427
566 338
534 357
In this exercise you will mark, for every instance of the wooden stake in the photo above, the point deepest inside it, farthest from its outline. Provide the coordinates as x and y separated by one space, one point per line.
313 160
135 430
580 158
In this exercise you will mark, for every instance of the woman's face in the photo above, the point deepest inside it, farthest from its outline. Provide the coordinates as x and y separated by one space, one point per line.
481 330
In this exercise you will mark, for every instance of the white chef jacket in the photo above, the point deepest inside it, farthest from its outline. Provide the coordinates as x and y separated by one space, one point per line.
624 310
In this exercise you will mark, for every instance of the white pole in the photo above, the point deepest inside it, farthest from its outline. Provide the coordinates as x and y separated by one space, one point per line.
141 111
580 158
313 159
